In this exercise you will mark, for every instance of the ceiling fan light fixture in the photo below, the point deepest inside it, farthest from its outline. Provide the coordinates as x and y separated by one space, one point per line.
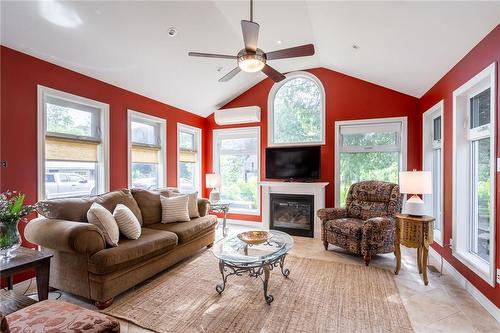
251 63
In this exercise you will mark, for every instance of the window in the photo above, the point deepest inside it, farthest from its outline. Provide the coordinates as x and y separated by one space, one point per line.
297 111
373 149
146 150
474 174
433 161
189 159
237 160
72 145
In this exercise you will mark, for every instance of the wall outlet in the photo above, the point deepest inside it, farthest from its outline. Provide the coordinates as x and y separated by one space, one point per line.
498 275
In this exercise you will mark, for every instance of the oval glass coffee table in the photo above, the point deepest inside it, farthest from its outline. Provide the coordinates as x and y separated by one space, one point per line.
237 257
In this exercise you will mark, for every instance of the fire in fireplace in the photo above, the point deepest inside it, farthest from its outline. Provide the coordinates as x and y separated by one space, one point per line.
293 214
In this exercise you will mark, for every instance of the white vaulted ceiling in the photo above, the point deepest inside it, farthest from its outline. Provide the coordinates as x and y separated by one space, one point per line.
405 46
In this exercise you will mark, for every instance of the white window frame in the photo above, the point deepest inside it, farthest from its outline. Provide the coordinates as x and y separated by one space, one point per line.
162 127
367 122
197 134
461 218
270 107
103 148
429 145
240 132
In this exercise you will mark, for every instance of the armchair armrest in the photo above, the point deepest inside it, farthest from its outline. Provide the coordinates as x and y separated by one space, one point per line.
326 214
65 236
203 205
380 223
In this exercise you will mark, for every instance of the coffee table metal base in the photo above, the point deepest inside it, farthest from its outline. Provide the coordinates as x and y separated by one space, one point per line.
254 270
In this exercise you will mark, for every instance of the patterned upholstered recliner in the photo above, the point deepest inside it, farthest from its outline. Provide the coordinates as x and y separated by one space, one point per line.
367 224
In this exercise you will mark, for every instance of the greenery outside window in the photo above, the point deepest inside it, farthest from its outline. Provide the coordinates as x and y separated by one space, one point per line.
189 159
297 111
72 144
373 149
146 151
237 159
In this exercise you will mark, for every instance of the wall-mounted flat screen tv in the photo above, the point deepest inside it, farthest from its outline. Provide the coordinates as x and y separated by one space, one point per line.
299 163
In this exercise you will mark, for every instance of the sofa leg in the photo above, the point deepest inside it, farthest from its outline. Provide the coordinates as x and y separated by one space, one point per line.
103 305
367 259
325 244
210 245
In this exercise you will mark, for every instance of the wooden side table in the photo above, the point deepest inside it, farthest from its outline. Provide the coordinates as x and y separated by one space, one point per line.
25 259
414 232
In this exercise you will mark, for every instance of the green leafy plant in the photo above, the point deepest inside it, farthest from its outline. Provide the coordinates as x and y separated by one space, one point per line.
12 210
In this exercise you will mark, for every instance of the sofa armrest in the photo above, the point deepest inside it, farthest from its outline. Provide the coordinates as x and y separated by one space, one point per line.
326 214
203 205
65 236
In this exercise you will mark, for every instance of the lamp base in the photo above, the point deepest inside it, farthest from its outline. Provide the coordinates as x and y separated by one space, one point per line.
214 196
415 206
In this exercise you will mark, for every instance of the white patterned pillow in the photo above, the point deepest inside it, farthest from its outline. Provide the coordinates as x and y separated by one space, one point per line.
128 224
174 209
192 203
104 220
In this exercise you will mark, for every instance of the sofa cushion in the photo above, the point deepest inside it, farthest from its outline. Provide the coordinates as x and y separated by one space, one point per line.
132 251
75 209
149 204
187 231
349 227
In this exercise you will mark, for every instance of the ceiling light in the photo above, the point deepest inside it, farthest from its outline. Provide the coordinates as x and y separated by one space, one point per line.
172 31
251 63
59 14
355 46
279 41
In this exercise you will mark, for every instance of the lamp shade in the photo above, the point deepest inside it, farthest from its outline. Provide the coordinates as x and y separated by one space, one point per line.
415 182
213 180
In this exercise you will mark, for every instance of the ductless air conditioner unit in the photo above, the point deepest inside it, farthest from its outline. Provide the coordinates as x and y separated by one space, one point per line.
243 115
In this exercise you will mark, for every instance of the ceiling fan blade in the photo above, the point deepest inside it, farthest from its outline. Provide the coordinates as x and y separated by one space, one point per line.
293 52
250 34
272 73
210 55
230 75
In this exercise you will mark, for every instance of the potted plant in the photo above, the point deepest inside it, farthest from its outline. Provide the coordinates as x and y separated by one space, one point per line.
12 210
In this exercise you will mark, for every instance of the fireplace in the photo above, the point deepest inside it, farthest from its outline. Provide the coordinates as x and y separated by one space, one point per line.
292 213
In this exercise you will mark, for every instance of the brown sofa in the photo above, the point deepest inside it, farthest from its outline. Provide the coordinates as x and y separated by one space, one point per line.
84 266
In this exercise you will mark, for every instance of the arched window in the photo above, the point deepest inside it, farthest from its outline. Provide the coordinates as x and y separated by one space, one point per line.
297 111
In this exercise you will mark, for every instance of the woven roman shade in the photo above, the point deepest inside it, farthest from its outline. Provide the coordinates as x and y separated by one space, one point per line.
187 156
143 154
65 149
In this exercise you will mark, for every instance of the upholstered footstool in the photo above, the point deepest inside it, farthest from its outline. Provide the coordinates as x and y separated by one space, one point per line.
58 317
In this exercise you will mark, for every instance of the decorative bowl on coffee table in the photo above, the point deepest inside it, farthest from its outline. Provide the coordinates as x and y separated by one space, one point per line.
255 237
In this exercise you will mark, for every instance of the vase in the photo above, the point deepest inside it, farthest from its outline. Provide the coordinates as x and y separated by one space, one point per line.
10 239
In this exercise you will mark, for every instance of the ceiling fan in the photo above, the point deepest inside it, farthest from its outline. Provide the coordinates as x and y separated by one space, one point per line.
252 59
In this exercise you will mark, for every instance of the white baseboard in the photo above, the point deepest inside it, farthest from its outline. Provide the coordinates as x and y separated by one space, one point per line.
471 289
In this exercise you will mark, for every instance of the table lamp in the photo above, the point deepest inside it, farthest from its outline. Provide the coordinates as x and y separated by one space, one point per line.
213 181
415 182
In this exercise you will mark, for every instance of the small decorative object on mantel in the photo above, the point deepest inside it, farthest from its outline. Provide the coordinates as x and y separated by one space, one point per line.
12 210
255 237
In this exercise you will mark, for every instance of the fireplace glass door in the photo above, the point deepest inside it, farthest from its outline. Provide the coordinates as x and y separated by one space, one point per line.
293 214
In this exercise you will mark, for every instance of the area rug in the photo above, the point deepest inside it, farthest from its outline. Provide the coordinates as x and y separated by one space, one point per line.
319 296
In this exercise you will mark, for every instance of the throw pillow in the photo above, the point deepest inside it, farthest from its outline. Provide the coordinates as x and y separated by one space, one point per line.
104 220
128 224
174 209
192 203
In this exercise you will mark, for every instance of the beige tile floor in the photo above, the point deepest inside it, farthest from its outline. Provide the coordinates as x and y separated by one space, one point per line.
441 306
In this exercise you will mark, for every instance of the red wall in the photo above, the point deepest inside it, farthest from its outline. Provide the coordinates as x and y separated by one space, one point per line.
20 75
484 54
347 98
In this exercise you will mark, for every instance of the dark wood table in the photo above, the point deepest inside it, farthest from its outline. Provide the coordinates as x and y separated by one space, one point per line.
28 259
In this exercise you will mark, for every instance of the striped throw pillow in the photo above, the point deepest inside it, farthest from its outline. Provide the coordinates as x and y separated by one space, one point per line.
127 222
104 220
174 209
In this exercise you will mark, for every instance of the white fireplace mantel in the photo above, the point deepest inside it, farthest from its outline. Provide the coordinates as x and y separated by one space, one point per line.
316 189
